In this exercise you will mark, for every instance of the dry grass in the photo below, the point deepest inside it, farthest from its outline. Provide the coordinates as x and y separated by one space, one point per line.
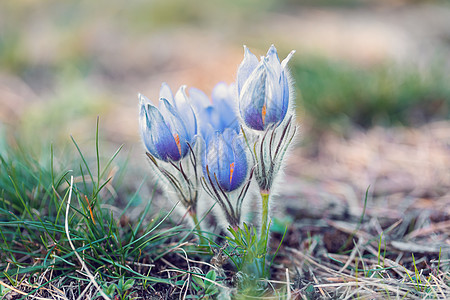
396 247
400 248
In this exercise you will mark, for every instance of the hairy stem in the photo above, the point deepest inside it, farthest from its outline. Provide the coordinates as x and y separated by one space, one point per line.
265 214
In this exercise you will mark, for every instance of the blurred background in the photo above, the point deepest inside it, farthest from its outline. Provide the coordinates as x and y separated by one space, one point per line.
372 80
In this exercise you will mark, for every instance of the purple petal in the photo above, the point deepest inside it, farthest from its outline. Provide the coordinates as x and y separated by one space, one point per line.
211 158
224 161
274 97
220 92
166 93
186 112
246 67
207 132
156 135
252 98
284 82
225 103
273 60
287 59
212 117
144 128
175 124
198 99
240 163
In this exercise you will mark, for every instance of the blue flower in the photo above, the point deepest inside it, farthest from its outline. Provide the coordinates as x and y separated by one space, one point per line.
218 115
225 161
263 89
167 131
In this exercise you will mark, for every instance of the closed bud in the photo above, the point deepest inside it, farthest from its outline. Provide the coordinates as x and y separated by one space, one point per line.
167 130
263 89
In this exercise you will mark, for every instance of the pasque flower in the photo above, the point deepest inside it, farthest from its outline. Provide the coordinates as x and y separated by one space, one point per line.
218 115
224 157
169 136
167 131
226 160
225 169
195 140
263 89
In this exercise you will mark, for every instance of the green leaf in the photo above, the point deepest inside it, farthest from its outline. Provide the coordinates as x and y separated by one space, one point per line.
4 290
198 281
110 289
211 290
234 233
128 284
211 275
195 287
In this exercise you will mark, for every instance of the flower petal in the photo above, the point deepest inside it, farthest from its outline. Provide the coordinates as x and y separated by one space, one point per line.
225 104
224 160
228 118
247 66
166 93
144 128
220 92
186 112
284 83
287 59
274 96
240 163
211 158
175 125
273 60
156 135
211 117
198 99
207 132
252 98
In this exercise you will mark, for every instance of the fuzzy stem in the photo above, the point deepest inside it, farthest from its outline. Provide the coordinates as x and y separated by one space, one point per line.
265 214
197 227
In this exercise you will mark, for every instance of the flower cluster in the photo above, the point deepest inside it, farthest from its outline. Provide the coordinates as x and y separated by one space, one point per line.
214 148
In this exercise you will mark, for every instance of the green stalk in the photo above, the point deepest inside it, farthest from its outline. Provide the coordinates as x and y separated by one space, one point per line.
197 228
265 215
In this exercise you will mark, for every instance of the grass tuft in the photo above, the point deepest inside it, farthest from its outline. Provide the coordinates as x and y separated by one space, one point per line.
96 240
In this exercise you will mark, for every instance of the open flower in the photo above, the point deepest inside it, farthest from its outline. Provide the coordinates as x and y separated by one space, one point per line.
263 89
167 131
218 115
224 157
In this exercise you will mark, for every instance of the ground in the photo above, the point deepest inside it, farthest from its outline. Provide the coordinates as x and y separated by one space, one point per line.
367 208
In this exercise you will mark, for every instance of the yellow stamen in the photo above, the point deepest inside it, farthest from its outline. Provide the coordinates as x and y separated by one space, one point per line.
231 171
263 113
177 140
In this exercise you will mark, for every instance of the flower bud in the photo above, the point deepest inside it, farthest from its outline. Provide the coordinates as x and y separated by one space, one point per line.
167 131
263 89
225 160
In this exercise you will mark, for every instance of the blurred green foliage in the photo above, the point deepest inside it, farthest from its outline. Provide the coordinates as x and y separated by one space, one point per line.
214 13
338 94
53 46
